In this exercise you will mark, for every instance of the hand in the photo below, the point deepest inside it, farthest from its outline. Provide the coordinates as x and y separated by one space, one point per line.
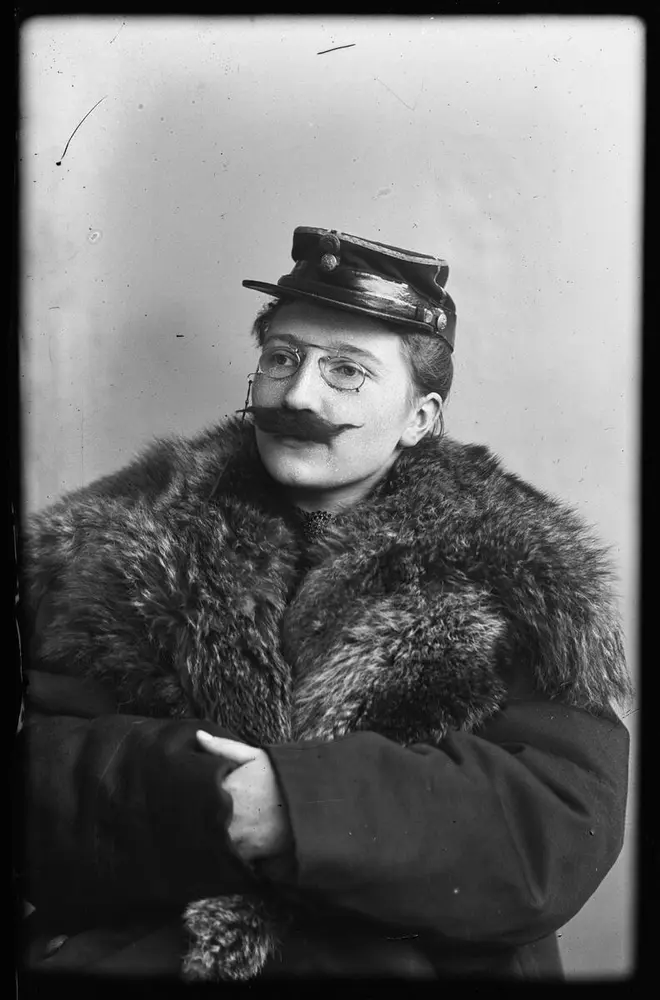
260 825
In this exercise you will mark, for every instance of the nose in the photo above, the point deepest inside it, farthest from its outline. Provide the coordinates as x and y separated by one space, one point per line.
303 390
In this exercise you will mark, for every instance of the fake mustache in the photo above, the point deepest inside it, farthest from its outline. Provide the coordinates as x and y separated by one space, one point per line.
296 423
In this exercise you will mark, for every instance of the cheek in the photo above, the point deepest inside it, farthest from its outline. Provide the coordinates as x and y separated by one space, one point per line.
386 421
265 391
375 441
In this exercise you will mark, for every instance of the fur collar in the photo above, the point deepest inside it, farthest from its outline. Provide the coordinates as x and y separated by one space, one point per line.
451 580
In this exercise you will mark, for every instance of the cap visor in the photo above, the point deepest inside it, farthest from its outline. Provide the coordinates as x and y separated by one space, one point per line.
293 293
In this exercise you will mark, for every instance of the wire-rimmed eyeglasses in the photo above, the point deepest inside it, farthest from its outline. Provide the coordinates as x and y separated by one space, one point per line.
340 373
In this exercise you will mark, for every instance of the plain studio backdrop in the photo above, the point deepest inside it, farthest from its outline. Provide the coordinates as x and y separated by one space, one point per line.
510 146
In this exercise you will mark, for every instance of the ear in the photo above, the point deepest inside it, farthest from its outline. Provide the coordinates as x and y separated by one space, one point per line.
422 420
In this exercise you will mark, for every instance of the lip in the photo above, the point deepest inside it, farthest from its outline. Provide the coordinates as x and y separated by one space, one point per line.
293 441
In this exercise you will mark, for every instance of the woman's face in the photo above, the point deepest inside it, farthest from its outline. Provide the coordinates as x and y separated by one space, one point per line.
382 413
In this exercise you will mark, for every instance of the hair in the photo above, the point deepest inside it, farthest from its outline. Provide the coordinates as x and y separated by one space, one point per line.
429 358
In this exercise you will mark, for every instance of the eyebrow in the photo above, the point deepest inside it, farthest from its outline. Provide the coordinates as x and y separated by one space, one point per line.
342 346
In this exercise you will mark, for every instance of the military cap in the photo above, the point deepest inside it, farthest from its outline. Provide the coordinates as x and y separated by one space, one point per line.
363 276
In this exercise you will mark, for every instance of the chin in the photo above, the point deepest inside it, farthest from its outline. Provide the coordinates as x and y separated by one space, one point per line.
303 465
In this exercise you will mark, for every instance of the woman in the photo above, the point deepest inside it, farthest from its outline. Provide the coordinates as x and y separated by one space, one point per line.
321 692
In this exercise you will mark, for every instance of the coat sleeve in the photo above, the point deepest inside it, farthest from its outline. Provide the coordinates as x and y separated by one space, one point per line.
120 812
498 837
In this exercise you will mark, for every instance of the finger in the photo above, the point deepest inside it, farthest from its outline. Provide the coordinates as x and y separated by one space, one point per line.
240 753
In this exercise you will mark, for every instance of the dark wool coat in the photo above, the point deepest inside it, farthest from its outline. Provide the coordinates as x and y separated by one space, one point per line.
181 585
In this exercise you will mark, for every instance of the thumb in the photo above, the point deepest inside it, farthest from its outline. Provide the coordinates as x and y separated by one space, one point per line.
239 753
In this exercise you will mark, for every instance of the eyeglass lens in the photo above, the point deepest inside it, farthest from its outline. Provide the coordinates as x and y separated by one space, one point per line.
338 372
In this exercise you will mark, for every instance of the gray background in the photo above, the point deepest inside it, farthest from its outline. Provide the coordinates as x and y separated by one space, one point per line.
510 146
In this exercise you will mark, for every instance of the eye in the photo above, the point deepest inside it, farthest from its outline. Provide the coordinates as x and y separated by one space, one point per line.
348 369
283 358
344 368
279 359
342 373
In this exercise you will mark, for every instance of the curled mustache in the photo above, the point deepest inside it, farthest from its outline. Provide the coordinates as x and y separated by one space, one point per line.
296 423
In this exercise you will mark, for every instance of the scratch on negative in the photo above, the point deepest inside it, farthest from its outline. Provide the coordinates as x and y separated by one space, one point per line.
378 80
59 162
112 39
116 751
336 48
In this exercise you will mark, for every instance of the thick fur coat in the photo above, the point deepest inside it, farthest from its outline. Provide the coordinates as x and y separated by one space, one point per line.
183 582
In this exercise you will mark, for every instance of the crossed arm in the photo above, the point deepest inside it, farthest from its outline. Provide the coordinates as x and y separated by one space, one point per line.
498 836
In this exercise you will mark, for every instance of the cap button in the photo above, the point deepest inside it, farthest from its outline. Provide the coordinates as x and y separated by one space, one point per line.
441 321
329 262
329 243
